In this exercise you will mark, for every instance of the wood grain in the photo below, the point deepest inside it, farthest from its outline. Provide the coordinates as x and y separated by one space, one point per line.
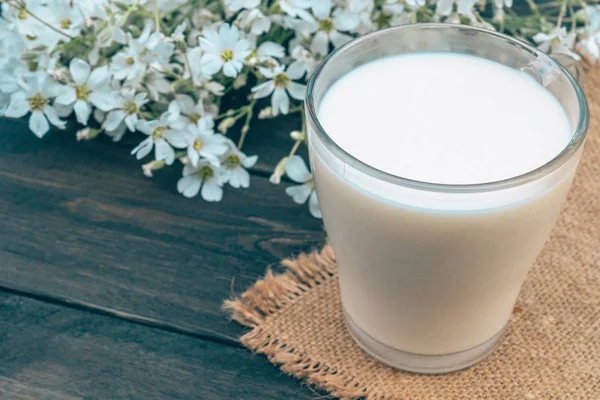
51 352
80 223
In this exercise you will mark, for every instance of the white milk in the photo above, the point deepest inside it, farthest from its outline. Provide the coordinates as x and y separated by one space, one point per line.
422 271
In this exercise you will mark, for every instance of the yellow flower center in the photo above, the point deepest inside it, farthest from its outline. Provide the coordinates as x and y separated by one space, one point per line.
158 132
198 144
232 161
281 80
82 92
195 117
227 55
37 102
22 14
130 61
206 172
326 25
130 107
65 23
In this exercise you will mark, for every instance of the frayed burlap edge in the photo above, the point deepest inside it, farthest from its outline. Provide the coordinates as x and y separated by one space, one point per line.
269 297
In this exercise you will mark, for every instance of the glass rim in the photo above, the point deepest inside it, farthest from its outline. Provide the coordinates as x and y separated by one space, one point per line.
556 162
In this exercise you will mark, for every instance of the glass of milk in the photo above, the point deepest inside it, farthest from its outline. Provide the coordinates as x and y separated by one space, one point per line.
442 155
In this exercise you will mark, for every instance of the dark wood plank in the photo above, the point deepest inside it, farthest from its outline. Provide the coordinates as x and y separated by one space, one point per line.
79 222
53 352
15 390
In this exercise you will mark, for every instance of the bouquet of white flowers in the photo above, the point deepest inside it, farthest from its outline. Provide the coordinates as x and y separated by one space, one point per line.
162 68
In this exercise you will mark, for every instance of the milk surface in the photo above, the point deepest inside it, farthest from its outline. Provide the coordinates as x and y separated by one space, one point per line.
445 118
431 272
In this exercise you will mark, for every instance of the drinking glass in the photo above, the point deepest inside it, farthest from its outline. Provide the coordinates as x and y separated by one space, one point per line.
428 272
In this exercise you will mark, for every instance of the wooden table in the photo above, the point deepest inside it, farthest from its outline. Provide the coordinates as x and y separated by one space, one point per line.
111 284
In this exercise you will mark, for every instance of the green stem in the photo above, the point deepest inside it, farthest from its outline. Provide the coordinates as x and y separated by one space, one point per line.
156 16
563 10
246 126
533 7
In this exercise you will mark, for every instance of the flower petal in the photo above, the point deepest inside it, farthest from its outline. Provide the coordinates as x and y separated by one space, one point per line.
239 177
105 101
189 186
211 191
296 170
82 111
38 124
80 70
263 90
17 108
271 49
143 149
53 117
249 162
296 90
114 119
163 151
280 101
299 193
296 70
338 39
210 63
322 8
320 43
99 78
313 205
67 96
177 138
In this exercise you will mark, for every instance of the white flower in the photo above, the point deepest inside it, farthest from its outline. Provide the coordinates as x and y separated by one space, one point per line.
162 134
266 52
281 83
296 170
557 41
202 141
303 59
225 49
148 49
156 84
463 7
92 8
204 178
255 20
297 8
235 163
237 5
128 64
35 97
194 111
88 88
65 18
327 28
129 105
178 34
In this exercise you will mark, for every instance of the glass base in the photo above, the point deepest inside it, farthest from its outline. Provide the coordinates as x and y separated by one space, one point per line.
424 364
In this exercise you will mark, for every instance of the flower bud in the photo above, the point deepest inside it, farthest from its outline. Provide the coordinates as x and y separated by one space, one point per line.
240 81
297 135
279 171
154 165
226 124
265 113
87 134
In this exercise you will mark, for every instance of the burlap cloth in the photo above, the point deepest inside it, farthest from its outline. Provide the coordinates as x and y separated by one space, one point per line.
551 349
